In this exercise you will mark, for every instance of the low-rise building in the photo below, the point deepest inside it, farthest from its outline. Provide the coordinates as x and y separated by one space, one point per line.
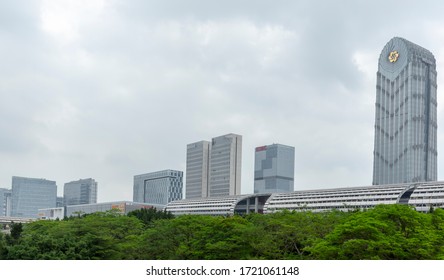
421 196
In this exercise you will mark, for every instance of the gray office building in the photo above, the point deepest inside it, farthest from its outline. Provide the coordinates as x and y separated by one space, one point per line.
83 191
406 115
60 201
29 195
198 161
225 165
274 169
5 202
158 187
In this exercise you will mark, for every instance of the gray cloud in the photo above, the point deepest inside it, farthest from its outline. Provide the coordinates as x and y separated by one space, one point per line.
111 89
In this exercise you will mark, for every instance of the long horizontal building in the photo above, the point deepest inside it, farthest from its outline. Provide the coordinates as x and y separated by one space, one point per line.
123 207
220 206
341 199
421 196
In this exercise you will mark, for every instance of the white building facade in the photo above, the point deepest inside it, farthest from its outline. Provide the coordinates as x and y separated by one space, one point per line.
197 171
214 168
225 165
423 197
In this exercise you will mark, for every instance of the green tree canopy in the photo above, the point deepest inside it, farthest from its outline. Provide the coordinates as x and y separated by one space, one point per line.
148 215
385 232
95 236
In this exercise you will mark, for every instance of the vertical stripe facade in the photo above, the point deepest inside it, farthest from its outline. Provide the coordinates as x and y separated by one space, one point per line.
406 115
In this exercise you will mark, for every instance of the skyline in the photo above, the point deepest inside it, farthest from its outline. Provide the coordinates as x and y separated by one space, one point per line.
108 89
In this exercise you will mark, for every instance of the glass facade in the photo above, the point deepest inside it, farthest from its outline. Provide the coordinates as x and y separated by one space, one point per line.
274 169
29 195
405 147
158 187
83 191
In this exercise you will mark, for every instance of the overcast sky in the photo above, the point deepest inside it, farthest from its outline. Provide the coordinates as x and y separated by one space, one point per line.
112 89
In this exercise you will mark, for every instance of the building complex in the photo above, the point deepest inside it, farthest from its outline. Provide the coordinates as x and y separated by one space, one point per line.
404 162
214 168
421 196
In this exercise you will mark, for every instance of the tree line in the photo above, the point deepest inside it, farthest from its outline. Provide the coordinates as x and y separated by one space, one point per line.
385 232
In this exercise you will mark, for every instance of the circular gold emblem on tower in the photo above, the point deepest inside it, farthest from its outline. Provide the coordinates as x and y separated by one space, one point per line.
393 56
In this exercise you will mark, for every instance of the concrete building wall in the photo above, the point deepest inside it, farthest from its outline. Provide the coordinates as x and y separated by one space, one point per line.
225 165
198 160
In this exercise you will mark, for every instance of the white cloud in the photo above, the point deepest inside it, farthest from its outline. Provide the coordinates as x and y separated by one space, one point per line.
64 20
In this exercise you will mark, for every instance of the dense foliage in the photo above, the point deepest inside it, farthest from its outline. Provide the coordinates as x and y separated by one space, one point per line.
386 232
148 216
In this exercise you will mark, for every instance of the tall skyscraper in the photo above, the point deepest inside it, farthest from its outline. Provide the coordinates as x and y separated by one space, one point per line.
406 120
29 195
225 165
158 187
198 160
274 169
5 202
83 191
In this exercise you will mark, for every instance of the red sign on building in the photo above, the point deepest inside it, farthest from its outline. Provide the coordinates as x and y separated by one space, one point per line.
263 148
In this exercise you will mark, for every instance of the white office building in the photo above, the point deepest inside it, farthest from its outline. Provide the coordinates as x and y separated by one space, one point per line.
198 162
214 168
225 165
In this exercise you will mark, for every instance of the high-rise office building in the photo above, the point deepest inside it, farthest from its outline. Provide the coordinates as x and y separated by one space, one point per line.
214 168
198 160
5 202
158 187
406 120
29 195
83 191
274 169
225 165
